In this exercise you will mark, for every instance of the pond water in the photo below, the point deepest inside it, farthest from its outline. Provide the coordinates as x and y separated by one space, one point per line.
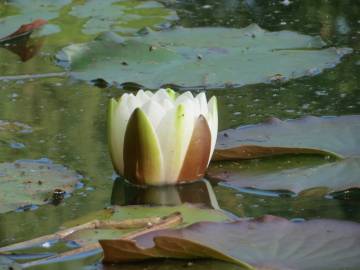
68 117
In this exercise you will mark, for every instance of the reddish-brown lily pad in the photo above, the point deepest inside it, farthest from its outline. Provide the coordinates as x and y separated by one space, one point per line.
337 136
267 243
19 42
25 29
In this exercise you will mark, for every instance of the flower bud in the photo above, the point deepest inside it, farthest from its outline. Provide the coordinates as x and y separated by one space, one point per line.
160 138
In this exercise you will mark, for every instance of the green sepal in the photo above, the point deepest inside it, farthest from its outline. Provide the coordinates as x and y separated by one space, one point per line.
171 93
142 153
110 118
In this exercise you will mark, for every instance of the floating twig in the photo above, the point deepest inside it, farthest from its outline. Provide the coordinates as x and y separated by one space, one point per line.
94 224
162 223
33 76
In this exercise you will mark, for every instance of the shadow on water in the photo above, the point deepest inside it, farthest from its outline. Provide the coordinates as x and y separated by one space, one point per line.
198 193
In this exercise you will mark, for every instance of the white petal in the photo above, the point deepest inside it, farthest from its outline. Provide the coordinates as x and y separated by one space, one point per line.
184 97
115 137
166 105
161 94
201 99
149 94
174 133
154 112
213 122
142 97
188 100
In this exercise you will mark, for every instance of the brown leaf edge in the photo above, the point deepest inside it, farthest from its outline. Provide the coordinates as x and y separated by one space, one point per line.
127 250
253 151
25 29
124 251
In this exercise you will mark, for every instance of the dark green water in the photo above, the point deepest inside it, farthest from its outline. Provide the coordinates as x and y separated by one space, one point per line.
68 117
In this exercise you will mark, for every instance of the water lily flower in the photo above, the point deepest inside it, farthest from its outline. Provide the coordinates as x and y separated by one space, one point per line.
161 138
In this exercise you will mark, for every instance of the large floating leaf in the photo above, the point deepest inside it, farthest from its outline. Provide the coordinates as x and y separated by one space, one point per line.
7 264
265 175
189 57
268 243
170 265
121 16
311 204
26 182
337 136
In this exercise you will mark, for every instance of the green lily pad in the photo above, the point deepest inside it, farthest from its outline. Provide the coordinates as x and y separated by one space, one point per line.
337 136
328 136
266 243
27 182
190 57
7 264
266 175
311 204
121 16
